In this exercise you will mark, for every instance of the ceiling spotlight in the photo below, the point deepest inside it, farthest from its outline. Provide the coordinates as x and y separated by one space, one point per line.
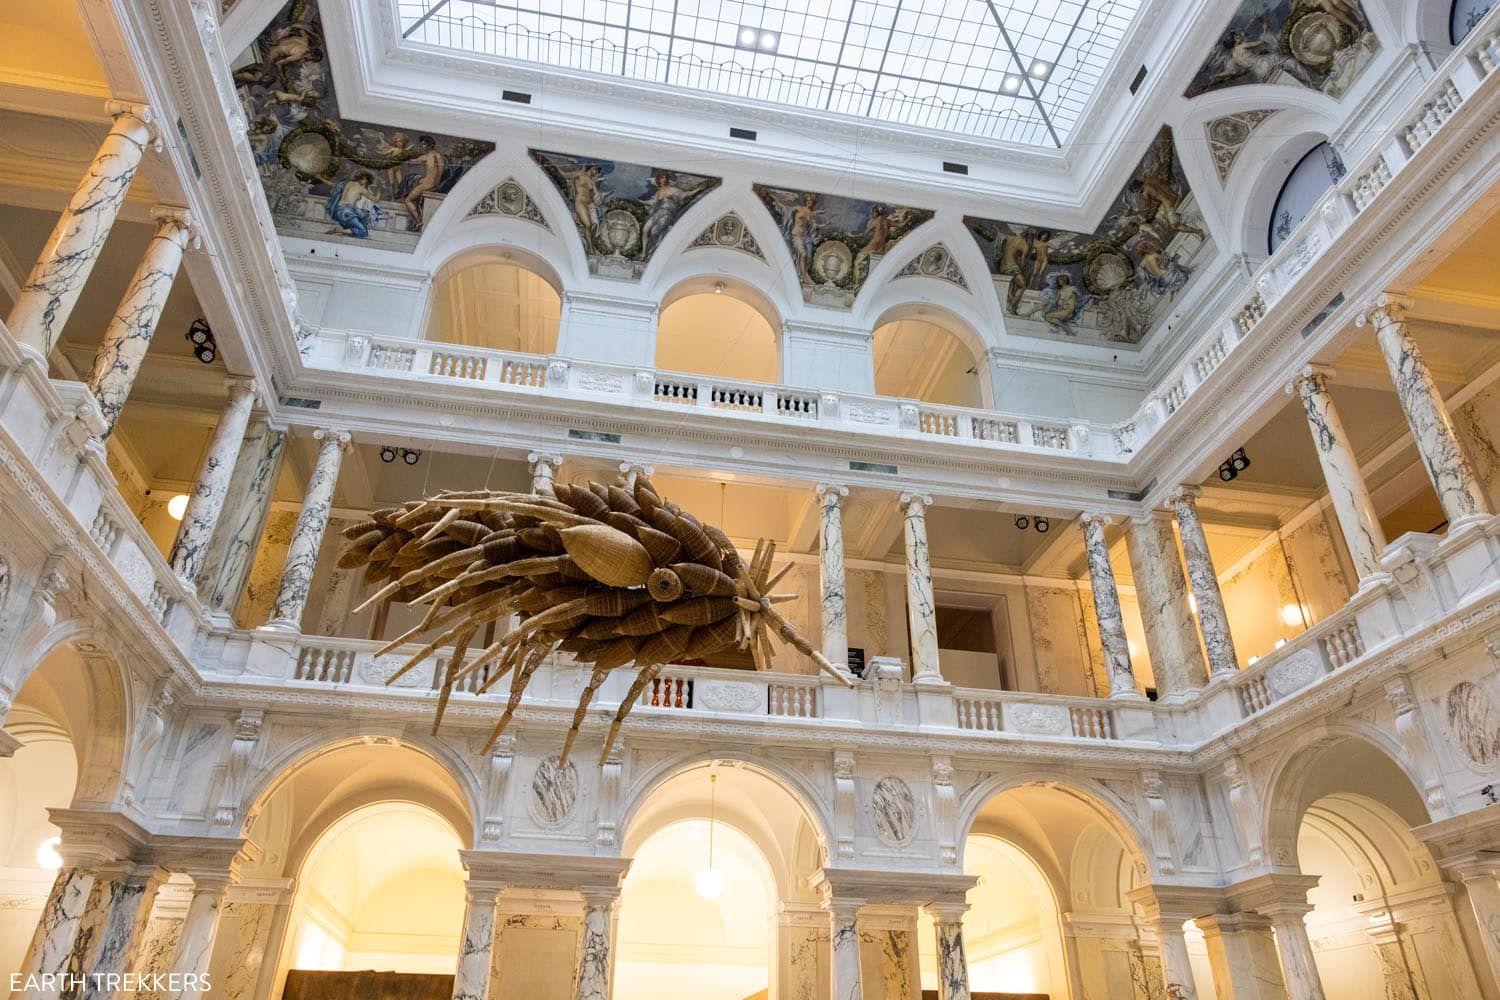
1023 522
1040 69
1239 460
718 288
1011 84
177 506
205 353
1227 472
748 36
769 40
387 454
410 457
199 332
1043 526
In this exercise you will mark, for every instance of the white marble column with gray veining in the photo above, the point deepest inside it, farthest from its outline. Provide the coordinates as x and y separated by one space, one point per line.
843 969
1161 591
1295 947
211 487
1111 619
952 963
921 608
1458 488
122 901
476 949
200 927
592 981
247 503
118 360
307 537
57 929
1346 485
1176 966
544 467
58 276
1213 620
831 578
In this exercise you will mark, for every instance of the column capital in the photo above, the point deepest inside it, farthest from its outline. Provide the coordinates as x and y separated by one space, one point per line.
947 911
1212 924
1314 376
174 220
239 385
483 892
600 897
918 500
640 468
1385 308
333 435
1176 903
1185 493
1277 895
142 113
548 457
832 489
1096 517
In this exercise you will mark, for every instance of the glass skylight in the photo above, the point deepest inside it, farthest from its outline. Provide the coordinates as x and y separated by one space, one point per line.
1011 70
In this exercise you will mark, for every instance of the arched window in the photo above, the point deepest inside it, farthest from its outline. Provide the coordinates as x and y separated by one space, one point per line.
494 303
918 359
1314 174
1465 17
719 335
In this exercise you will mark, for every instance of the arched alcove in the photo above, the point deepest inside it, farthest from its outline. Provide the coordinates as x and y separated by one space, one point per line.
719 328
1319 169
918 356
1464 16
494 300
684 935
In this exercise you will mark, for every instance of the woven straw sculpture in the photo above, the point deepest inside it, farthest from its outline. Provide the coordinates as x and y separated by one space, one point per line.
612 575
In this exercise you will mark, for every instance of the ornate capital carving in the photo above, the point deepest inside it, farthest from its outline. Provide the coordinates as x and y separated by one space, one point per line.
832 492
536 458
141 114
915 503
332 435
1312 378
239 385
1096 517
172 220
1386 308
1184 494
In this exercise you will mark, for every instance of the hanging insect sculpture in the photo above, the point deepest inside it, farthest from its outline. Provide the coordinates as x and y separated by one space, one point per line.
613 575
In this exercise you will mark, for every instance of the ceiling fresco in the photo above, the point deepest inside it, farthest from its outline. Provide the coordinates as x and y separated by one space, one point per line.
621 211
836 241
1320 44
331 178
1110 285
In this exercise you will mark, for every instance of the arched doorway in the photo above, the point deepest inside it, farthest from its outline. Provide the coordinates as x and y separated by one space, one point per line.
731 928
1383 922
718 329
917 357
494 301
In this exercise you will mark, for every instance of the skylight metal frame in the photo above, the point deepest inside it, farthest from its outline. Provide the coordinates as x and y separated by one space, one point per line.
935 64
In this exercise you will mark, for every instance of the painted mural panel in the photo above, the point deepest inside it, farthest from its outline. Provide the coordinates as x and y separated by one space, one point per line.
1228 135
835 241
1320 44
622 211
331 178
1110 285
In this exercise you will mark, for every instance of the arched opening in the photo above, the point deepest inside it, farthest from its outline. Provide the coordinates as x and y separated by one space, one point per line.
1048 856
683 934
382 889
1465 17
1319 169
719 329
917 358
69 718
1383 923
364 834
1012 932
494 302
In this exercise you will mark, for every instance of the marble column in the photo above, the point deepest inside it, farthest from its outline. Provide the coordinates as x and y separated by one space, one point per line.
1346 486
129 333
921 611
120 904
58 276
1162 593
635 470
199 929
952 963
1213 620
543 472
831 574
211 487
307 537
1107 608
1295 947
593 951
843 969
1242 956
57 929
1176 966
1458 489
231 550
1480 873
472 979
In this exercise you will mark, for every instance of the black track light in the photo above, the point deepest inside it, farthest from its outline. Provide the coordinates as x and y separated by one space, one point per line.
387 454
1226 472
1239 460
1023 522
410 457
1043 526
198 332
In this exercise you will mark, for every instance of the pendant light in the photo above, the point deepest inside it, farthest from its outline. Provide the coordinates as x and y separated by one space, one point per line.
710 881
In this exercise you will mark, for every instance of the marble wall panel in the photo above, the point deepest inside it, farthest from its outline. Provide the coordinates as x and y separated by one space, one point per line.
535 955
241 949
888 964
802 963
1477 424
265 572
